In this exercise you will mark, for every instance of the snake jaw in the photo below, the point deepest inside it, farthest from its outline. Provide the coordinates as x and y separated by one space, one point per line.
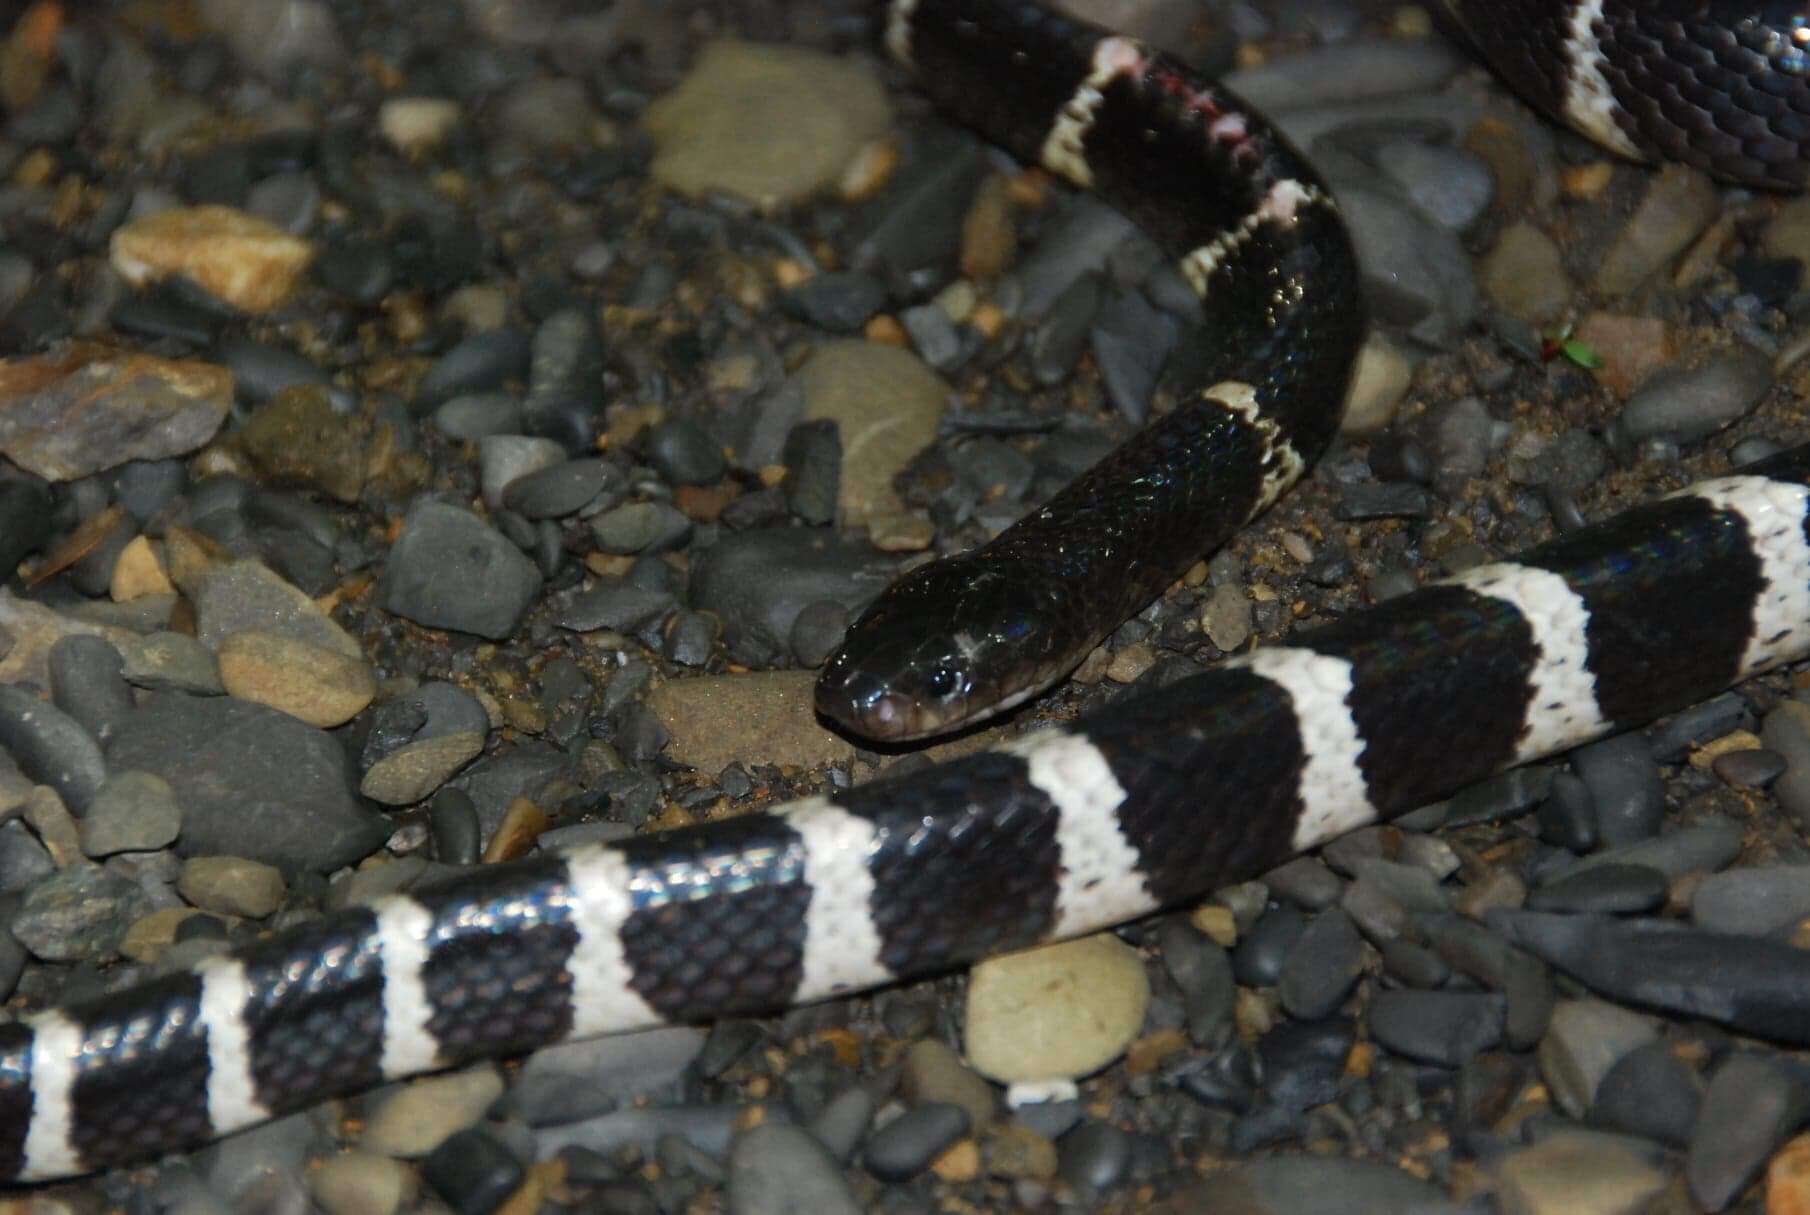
951 644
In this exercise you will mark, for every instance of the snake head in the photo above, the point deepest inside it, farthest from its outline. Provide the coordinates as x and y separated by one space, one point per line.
952 643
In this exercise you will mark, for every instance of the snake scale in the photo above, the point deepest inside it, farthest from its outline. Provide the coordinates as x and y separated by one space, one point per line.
1153 800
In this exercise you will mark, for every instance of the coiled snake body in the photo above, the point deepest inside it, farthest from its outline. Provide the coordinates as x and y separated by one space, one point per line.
1148 803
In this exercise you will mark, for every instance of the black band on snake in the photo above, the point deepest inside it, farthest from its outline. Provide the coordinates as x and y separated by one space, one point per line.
1152 801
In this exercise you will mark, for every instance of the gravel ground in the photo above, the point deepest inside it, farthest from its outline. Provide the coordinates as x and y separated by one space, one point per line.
433 433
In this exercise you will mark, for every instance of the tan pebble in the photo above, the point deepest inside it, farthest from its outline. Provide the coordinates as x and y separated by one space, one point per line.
1152 1050
532 1194
1254 1013
886 330
1788 1179
414 125
935 1072
1093 668
869 170
138 573
1716 748
1015 1150
1216 923
309 682
360 1183
1129 664
958 300
522 824
988 320
411 772
231 885
417 1117
154 932
189 556
989 231
959 1162
250 263
56 827
1586 181
900 532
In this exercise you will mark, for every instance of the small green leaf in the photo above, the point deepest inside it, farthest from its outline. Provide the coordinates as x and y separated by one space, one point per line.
1581 353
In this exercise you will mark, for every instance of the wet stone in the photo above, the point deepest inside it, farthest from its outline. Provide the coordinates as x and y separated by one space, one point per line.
251 781
1579 1173
777 1170
843 1121
475 415
449 570
1585 1040
905 1147
1446 1028
562 489
1094 1156
1750 1107
1604 889
474 1172
505 459
77 914
1624 787
1649 1092
51 747
458 835
86 683
1322 967
480 363
132 812
1261 955
1567 819
641 527
839 302
1753 902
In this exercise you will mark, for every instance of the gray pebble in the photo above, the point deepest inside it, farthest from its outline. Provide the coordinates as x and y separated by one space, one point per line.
86 683
781 1170
841 1123
476 415
51 747
1322 967
1605 889
641 527
571 1081
1624 787
1447 1028
905 1147
482 362
1750 1107
251 782
133 812
840 302
1651 1093
77 914
684 453
1752 902
449 570
563 489
506 459
615 603
1094 1156
1686 405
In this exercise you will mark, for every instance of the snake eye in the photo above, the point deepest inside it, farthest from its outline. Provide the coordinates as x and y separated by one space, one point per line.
941 681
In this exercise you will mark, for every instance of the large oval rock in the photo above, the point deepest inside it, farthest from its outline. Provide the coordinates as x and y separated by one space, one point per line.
251 781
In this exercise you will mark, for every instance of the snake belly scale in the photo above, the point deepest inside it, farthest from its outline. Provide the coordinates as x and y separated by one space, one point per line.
1149 802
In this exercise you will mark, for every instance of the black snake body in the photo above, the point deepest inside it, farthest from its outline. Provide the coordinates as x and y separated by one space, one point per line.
1150 802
